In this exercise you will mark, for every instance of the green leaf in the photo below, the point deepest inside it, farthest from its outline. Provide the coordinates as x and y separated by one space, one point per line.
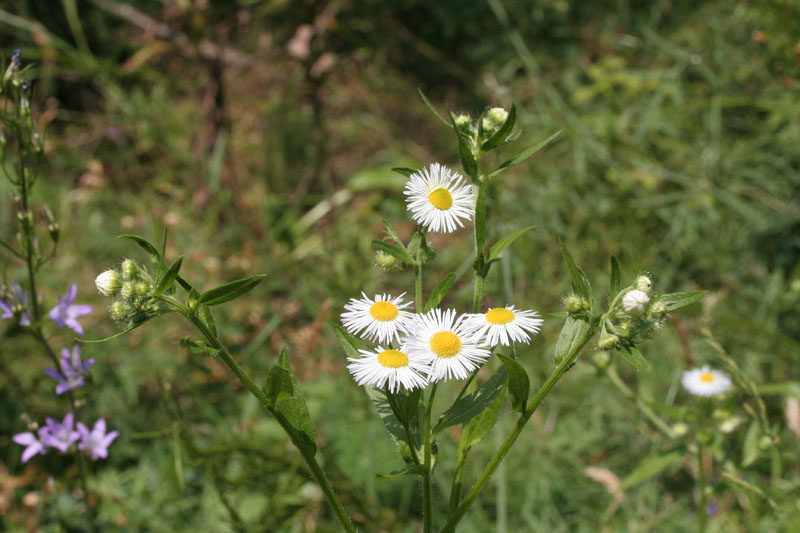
433 109
296 413
390 421
168 277
439 292
480 226
405 171
350 344
751 449
519 158
396 251
580 283
677 300
473 404
634 357
279 385
141 241
616 276
198 346
230 291
651 467
480 426
505 242
393 234
131 327
572 338
185 284
465 151
518 383
205 312
414 470
787 388
503 132
412 403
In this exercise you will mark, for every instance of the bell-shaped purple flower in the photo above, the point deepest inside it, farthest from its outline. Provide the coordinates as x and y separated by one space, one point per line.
19 298
32 444
71 372
61 435
97 441
66 312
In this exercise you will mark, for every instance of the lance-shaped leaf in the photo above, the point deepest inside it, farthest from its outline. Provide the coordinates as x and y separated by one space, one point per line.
293 408
168 277
473 404
390 422
751 449
580 283
480 426
350 344
205 313
412 403
439 292
503 132
498 247
138 321
433 109
522 156
198 346
414 470
393 234
146 246
518 383
573 336
279 385
480 226
468 160
395 251
632 355
616 276
404 171
651 467
230 291
677 300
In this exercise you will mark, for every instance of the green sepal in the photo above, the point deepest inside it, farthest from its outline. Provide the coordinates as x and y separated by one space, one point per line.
632 355
518 383
616 276
468 160
439 292
651 467
676 300
230 291
522 156
395 251
472 405
433 109
502 133
580 283
168 277
414 470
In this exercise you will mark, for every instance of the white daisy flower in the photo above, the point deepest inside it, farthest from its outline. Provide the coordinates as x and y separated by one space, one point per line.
379 320
439 199
503 325
390 368
446 342
705 381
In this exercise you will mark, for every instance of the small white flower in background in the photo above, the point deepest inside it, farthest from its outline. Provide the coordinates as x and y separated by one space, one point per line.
503 325
635 302
447 343
381 319
390 368
439 199
705 381
108 283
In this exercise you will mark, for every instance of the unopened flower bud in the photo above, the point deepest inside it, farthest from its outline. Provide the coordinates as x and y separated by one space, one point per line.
765 443
54 229
601 358
680 429
118 311
128 268
128 291
643 283
108 283
635 302
142 289
463 122
495 118
576 304
608 342
384 260
730 424
658 310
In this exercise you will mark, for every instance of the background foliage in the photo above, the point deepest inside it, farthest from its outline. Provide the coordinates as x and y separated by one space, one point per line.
261 134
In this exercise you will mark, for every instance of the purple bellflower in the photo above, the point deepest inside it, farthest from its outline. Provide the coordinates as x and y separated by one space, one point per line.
61 435
97 441
32 444
70 376
66 312
18 298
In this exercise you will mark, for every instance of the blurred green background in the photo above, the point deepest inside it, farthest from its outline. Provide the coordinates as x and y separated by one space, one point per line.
261 134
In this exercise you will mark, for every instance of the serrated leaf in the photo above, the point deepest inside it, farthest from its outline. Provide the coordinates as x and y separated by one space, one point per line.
522 156
616 277
518 383
650 467
634 357
473 404
399 253
350 344
230 291
433 109
405 171
751 449
676 300
439 292
168 277
580 283
505 242
414 470
465 151
296 413
573 336
279 385
146 246
480 426
503 132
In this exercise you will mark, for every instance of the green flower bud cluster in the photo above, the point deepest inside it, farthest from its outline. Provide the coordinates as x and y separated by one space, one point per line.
493 119
132 290
385 261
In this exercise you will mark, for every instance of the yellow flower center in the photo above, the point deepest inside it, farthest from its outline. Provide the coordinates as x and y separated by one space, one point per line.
393 359
440 198
499 315
706 377
383 311
445 344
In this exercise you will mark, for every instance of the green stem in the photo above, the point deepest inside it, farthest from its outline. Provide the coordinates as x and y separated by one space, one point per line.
657 421
255 390
701 485
560 370
427 487
418 288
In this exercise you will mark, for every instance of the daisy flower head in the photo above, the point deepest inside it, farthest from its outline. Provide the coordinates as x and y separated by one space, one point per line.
445 340
390 368
503 325
705 381
439 199
381 319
